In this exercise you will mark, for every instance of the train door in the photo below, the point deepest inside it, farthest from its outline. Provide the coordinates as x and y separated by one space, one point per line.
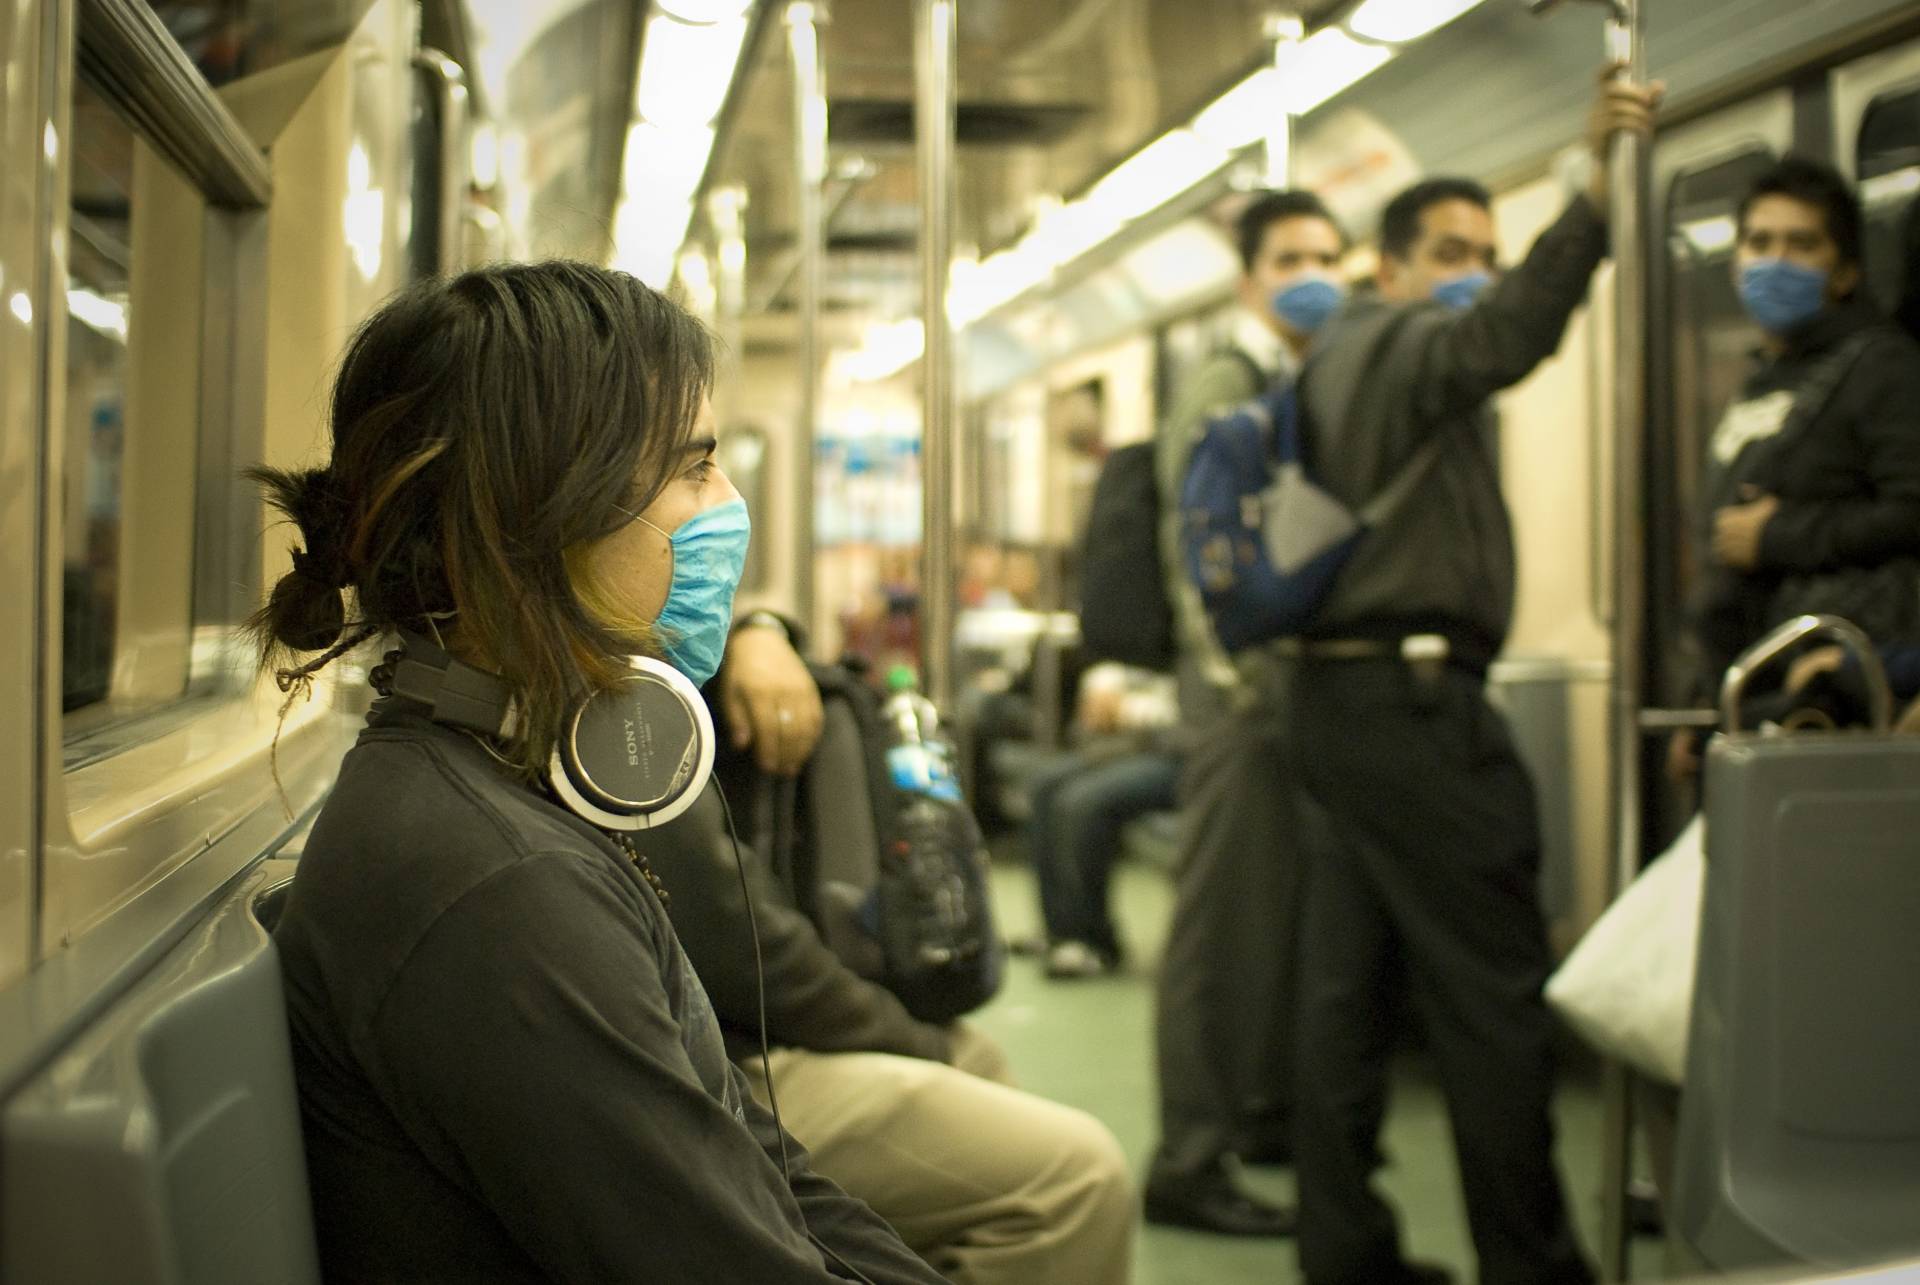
1700 340
1876 126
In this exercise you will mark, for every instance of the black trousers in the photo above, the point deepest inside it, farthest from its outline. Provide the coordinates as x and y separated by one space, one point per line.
1225 1004
1426 879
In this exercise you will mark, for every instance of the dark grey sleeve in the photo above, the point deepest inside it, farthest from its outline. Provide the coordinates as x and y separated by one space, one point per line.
1456 362
814 1001
529 1047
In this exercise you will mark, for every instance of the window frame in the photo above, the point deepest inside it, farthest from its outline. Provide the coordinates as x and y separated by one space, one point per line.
131 803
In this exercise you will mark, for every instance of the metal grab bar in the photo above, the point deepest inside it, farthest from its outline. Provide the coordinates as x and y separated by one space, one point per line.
449 82
127 51
1849 635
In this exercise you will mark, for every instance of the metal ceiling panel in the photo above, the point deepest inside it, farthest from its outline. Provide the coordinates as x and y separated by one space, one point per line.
1052 93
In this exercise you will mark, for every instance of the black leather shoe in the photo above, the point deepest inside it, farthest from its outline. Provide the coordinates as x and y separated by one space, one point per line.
1214 1204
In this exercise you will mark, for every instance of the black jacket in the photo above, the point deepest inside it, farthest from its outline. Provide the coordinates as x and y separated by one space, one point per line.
1848 481
814 1001
1385 379
507 1068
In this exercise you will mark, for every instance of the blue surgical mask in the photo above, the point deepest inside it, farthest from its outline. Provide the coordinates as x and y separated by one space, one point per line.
1460 292
709 553
1306 304
1782 296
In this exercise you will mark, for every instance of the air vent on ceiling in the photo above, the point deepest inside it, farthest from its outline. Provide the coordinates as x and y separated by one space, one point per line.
869 122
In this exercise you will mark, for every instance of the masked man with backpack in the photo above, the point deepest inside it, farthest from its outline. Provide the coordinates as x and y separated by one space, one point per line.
1224 1005
1427 879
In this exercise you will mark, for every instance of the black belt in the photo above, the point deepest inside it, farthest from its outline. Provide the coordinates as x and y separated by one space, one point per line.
1418 651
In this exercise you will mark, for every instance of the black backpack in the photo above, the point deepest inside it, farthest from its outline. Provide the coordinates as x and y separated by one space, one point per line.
1124 611
895 880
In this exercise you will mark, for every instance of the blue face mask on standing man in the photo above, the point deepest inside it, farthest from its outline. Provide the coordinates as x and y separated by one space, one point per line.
1308 303
1459 293
709 554
1780 296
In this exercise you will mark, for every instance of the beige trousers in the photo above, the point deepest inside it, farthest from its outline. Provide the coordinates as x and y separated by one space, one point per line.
990 1185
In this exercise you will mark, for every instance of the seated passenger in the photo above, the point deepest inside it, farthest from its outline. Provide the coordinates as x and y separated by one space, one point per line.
989 1184
1812 492
508 1070
1122 769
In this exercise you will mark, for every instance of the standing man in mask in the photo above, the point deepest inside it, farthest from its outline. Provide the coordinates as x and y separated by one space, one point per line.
1812 495
1426 878
1225 1002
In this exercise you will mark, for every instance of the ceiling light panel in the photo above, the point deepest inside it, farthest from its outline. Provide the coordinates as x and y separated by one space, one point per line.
1402 20
685 69
1324 64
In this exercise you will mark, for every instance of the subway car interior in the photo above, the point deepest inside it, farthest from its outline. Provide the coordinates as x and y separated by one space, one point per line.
956 256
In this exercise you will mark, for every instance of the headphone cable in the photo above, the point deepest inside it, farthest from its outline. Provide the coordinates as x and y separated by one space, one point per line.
766 1056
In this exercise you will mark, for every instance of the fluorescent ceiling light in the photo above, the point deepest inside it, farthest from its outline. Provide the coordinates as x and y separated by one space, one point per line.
1064 234
483 148
1711 236
1157 172
103 314
1324 64
1399 20
886 349
665 162
1243 114
646 234
685 69
703 10
1882 189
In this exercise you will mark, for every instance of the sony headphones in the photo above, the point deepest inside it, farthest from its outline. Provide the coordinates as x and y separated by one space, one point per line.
634 756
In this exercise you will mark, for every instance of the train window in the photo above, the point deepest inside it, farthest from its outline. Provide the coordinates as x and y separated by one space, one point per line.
98 264
1711 333
1887 160
132 482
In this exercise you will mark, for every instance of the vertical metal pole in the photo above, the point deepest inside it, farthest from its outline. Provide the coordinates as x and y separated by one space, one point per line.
810 171
1286 30
1627 221
726 210
933 30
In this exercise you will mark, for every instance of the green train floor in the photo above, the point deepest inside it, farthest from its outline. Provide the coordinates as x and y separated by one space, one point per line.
1089 1042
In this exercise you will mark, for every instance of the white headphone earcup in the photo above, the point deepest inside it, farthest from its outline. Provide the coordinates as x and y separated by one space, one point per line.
637 756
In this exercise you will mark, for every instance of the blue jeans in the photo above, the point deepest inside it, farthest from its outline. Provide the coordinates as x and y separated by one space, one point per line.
1080 804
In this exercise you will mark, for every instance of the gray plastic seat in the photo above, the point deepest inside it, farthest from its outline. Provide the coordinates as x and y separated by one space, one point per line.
1800 1124
163 1145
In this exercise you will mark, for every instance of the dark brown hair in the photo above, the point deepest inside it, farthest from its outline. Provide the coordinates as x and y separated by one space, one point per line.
482 427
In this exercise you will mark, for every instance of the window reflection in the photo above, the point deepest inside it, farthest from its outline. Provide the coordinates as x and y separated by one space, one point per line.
99 259
229 39
1888 162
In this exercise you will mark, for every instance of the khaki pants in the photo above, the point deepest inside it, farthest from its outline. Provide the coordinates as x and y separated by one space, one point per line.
990 1185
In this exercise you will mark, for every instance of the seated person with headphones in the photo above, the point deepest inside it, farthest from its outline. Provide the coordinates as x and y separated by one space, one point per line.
508 1070
992 1186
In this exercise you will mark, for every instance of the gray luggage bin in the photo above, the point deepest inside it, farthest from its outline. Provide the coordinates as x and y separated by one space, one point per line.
163 1145
1800 1124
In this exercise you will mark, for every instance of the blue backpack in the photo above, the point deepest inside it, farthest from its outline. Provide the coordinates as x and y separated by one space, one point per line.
1261 540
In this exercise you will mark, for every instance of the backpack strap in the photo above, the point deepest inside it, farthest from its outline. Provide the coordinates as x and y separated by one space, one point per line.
1261 376
1397 492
